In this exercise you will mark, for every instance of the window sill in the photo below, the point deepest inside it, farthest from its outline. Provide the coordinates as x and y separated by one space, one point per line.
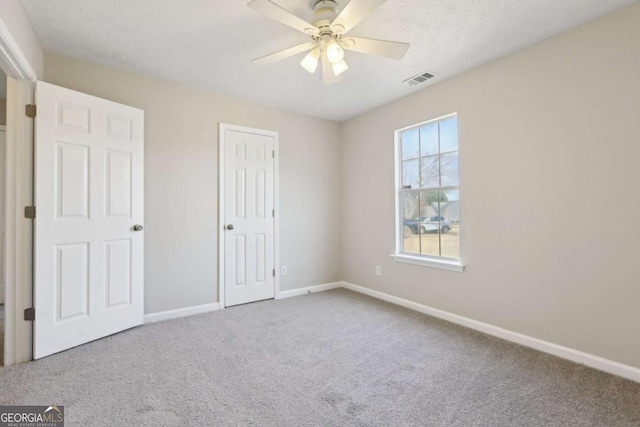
429 262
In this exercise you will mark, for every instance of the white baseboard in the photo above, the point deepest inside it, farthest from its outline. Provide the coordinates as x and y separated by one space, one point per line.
577 356
309 290
180 312
198 309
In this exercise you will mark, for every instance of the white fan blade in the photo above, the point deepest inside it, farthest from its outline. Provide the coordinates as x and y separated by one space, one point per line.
283 16
328 77
355 12
393 50
283 54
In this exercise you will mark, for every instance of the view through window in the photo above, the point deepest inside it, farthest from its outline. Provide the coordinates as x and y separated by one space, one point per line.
429 197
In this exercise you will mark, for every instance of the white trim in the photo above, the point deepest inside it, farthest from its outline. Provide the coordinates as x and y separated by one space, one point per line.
180 312
429 262
576 356
397 161
19 231
308 290
221 154
18 194
276 203
12 60
276 217
437 119
396 190
3 296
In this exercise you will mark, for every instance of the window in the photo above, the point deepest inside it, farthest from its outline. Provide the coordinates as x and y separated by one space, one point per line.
428 195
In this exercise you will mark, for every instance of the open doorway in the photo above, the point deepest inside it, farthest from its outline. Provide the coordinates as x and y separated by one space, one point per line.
18 76
3 145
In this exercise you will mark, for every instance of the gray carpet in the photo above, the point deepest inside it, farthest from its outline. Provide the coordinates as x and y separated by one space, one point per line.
329 359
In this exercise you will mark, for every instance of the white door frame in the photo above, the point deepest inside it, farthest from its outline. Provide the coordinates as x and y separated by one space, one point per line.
18 194
221 194
3 128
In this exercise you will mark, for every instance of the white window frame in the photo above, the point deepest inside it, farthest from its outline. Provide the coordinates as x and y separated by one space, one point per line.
399 256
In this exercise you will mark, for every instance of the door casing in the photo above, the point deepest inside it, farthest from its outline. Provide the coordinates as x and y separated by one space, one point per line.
18 194
3 147
221 193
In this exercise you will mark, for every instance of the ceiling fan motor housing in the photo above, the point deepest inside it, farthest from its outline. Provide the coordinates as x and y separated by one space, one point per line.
324 12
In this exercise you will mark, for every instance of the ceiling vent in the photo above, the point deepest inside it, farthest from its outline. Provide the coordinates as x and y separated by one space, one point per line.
420 78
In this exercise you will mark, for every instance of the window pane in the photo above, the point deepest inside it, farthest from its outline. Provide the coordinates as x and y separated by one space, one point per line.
410 144
449 169
410 175
429 238
449 135
450 226
429 140
410 211
430 216
430 172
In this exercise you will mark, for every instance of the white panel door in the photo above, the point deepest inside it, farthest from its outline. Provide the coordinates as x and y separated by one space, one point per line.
3 147
89 213
248 217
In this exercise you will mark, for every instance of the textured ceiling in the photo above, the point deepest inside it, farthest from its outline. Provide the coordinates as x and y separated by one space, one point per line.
210 43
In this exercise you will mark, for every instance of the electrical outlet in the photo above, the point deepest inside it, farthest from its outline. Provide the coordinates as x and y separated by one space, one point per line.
378 270
283 270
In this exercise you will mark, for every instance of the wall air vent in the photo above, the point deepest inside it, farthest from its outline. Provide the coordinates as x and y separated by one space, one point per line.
420 78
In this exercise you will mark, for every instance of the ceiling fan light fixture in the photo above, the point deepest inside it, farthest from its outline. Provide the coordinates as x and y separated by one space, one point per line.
335 54
327 30
310 62
339 67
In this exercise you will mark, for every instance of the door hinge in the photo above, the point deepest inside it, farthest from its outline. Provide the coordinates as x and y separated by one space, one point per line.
30 314
273 154
30 110
273 272
30 212
273 213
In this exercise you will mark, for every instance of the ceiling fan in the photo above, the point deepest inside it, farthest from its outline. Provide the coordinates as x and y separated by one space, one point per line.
328 34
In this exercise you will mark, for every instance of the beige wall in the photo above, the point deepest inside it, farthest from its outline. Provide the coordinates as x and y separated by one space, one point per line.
181 197
550 145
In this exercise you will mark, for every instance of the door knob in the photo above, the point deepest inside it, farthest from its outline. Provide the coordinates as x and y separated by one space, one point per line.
230 227
138 227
